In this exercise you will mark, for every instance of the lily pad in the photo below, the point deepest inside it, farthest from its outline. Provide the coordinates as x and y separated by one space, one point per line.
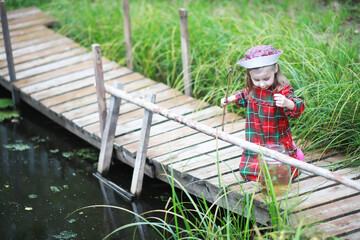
28 208
32 196
54 150
6 102
71 220
55 189
17 147
67 154
65 235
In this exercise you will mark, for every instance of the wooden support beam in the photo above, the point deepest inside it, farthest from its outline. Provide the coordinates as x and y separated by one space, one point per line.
9 55
127 35
185 51
99 83
138 174
107 140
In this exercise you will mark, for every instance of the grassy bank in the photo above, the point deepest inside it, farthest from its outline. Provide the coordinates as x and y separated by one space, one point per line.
320 40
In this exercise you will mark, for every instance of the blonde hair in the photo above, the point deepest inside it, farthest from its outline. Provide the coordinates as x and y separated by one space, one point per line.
280 81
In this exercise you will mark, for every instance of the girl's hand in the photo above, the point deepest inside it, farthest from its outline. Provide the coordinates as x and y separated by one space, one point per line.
282 101
225 102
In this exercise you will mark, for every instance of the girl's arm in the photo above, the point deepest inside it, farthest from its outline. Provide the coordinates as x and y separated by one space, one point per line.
293 106
225 102
282 101
238 97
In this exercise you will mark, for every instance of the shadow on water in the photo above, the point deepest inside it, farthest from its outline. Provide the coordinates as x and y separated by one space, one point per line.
46 181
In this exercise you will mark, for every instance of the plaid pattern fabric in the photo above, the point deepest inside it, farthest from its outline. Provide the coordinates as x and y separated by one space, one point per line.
260 51
266 123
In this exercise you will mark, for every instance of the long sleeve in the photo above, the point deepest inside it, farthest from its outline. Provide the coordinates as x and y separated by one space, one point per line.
299 106
240 97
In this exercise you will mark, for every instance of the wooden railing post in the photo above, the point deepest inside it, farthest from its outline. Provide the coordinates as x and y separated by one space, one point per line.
127 34
100 88
138 174
185 51
107 140
9 55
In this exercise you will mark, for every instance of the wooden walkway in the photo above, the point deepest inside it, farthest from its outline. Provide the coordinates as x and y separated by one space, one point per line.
55 76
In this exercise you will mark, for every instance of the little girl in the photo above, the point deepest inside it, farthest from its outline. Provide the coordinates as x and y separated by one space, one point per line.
270 101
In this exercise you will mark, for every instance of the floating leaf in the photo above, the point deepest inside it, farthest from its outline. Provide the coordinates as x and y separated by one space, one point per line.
65 186
17 147
28 208
6 102
8 115
6 186
38 139
32 196
54 150
54 189
67 154
71 220
65 235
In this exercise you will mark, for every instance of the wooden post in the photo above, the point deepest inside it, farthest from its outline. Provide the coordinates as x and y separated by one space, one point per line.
9 55
185 51
99 83
127 34
107 140
138 174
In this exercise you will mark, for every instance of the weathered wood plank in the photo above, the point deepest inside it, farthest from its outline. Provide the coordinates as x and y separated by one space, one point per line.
41 54
29 36
46 60
167 126
178 133
37 47
337 226
39 40
27 17
84 91
53 82
79 83
326 211
162 91
23 12
84 108
34 22
107 142
193 151
138 174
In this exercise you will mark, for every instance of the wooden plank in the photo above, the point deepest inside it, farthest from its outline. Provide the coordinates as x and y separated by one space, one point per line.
138 174
53 74
46 84
185 167
167 126
326 211
23 12
107 142
29 36
194 151
337 226
53 66
84 91
39 40
41 54
75 84
180 132
20 32
89 107
352 236
135 124
189 141
37 47
46 60
162 91
127 34
28 18
31 23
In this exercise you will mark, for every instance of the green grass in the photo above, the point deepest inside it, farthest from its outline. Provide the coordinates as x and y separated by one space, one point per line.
320 42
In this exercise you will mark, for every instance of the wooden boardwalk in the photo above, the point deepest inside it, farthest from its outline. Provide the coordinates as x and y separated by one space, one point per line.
55 76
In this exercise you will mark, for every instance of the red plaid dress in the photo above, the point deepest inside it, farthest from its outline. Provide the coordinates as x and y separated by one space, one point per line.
266 124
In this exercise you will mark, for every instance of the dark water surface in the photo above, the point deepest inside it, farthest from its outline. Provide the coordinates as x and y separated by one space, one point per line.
40 186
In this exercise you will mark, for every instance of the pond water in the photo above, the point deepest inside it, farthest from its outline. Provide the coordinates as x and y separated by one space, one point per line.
46 173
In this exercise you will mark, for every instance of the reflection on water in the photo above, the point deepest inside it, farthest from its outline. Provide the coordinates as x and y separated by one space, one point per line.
39 188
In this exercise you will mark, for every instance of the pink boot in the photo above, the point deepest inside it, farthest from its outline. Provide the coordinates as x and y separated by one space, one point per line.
299 153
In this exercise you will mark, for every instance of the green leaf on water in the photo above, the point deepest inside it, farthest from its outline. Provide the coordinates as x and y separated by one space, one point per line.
28 208
54 150
17 147
6 102
71 220
31 196
65 235
55 189
65 186
67 154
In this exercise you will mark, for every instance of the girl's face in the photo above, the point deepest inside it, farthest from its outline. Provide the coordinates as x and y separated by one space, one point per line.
263 77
